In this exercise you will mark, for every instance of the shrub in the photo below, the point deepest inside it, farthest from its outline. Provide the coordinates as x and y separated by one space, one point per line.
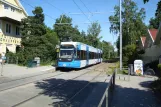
11 58
129 54
159 66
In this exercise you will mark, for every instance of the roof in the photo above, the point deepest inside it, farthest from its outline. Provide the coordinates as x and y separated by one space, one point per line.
143 38
76 43
11 2
16 4
153 33
158 36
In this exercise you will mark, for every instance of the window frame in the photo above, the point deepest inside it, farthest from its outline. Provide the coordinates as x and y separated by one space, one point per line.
8 28
17 31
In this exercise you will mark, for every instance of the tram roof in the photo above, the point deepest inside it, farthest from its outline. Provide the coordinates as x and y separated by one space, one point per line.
77 43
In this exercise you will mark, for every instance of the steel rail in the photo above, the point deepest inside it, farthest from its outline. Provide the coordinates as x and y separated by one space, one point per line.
18 104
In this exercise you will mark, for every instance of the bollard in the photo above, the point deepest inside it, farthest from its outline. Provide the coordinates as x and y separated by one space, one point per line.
1 69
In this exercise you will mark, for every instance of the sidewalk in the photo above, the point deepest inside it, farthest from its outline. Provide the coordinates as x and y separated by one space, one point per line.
10 70
134 93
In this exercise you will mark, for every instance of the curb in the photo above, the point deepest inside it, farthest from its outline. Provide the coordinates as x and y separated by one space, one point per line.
49 70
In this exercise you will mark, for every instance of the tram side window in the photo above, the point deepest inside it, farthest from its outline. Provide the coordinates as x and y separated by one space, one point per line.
90 55
83 55
78 54
94 55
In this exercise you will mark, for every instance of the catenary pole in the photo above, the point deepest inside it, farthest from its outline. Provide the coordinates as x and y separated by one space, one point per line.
120 35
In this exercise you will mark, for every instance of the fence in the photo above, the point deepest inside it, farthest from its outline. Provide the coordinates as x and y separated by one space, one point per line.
123 74
107 96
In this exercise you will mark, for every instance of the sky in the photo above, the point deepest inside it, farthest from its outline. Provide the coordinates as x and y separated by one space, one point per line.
54 8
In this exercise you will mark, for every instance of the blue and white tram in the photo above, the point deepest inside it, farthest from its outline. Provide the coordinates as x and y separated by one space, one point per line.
78 55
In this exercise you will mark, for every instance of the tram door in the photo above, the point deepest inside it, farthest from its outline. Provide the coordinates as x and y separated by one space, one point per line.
98 56
87 54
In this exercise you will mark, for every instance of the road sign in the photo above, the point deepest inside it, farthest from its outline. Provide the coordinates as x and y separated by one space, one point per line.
57 50
57 46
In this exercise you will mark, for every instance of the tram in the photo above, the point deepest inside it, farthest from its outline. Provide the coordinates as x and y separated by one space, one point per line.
78 55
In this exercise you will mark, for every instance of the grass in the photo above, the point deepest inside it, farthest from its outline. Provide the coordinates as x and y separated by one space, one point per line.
111 69
48 63
122 72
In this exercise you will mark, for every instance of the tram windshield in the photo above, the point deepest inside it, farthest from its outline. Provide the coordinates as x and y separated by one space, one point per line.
66 51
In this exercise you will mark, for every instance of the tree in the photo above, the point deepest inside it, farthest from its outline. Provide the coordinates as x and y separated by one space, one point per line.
93 34
63 30
66 30
154 22
108 50
146 1
132 23
37 39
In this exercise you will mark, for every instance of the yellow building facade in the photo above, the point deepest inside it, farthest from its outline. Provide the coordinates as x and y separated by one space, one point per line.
11 13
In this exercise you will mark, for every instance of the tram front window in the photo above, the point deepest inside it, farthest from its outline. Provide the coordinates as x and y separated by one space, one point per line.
66 52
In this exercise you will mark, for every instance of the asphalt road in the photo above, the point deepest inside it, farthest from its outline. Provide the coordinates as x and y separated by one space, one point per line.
58 89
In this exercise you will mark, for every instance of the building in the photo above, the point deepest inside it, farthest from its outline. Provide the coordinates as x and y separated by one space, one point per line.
151 46
11 13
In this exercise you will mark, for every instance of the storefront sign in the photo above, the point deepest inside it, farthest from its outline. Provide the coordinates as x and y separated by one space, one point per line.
138 67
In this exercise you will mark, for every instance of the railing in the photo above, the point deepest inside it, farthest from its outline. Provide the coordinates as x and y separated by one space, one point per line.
10 39
107 95
123 74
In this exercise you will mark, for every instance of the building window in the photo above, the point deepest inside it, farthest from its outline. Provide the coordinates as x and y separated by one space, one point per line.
6 6
17 30
12 9
0 27
8 28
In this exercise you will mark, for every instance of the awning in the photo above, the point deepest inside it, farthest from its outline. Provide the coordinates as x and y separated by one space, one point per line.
10 48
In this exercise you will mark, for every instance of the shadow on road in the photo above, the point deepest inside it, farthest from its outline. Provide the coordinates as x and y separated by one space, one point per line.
62 94
75 69
135 97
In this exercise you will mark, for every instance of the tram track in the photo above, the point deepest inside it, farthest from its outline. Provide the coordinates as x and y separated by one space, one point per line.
54 87
48 72
11 83
21 84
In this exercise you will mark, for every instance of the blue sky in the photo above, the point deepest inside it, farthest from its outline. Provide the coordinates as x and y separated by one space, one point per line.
68 7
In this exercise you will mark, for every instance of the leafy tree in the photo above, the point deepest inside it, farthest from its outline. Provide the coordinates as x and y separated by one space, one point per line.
37 39
154 22
93 34
146 1
108 50
63 30
129 54
132 23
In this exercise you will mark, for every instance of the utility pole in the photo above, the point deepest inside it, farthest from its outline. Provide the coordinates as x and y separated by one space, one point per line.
120 35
